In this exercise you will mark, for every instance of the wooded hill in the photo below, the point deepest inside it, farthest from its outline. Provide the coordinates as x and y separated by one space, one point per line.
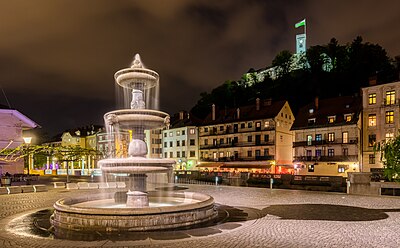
324 70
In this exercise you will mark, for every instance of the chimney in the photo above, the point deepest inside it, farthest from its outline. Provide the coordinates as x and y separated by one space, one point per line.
257 103
372 80
316 103
213 112
181 115
238 113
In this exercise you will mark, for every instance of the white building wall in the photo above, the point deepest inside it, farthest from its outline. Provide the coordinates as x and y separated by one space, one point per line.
382 128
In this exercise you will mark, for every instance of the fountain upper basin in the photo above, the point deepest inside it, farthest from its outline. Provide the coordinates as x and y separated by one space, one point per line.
137 118
136 165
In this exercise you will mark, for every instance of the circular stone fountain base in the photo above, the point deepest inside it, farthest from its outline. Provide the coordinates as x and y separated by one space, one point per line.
94 213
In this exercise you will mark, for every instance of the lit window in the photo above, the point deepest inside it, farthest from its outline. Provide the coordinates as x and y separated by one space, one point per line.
347 118
309 140
345 137
341 169
389 117
311 168
331 119
331 152
371 140
221 154
191 131
390 97
372 120
331 137
372 98
389 136
318 137
178 133
258 124
266 124
170 134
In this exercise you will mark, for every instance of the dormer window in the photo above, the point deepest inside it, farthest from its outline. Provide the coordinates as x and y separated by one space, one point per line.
331 119
311 121
311 111
348 117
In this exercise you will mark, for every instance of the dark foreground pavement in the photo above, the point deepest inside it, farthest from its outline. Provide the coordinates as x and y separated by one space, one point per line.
282 218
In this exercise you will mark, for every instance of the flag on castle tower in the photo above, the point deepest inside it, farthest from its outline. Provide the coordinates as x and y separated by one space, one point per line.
300 23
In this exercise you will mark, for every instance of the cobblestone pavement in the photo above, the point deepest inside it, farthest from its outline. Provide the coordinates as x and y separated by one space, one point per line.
282 218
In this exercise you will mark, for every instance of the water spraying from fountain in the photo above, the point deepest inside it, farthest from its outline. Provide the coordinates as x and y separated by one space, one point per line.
137 209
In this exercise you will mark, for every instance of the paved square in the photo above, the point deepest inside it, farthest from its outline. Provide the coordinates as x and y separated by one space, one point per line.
284 218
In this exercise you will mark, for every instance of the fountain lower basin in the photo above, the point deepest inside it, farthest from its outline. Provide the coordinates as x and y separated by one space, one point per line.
166 210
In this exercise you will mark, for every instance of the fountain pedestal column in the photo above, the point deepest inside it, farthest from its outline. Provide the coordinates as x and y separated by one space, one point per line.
137 199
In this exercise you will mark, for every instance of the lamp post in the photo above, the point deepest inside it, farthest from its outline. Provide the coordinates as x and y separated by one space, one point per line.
27 141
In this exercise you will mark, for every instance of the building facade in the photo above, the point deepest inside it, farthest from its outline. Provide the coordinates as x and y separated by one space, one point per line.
181 141
153 140
381 121
327 137
12 125
255 138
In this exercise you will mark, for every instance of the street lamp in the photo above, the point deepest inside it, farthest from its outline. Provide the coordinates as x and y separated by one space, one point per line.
27 141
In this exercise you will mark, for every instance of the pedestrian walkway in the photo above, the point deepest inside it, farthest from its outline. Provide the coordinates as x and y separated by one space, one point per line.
281 218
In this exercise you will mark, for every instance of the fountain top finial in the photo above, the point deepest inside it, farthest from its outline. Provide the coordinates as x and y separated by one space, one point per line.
137 62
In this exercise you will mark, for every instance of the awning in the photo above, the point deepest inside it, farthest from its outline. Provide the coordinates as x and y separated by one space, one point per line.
246 166
209 165
288 166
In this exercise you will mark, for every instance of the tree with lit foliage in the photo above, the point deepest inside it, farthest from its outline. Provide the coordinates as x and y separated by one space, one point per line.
61 153
391 159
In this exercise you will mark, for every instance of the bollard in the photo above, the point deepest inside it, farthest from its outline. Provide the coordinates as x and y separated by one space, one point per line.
271 182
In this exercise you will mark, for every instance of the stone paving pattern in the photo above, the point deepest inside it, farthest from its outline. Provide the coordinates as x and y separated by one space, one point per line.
283 218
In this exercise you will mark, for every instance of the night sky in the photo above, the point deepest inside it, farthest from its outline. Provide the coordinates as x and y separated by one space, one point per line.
58 57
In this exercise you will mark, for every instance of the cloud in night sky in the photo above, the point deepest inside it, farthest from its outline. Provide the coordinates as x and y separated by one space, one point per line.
58 57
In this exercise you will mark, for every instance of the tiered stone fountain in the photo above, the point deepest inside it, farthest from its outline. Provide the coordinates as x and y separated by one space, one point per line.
142 210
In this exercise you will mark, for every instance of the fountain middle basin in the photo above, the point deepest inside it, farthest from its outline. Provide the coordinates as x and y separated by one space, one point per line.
167 210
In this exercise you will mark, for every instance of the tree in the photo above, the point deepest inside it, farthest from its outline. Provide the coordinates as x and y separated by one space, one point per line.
391 159
283 62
